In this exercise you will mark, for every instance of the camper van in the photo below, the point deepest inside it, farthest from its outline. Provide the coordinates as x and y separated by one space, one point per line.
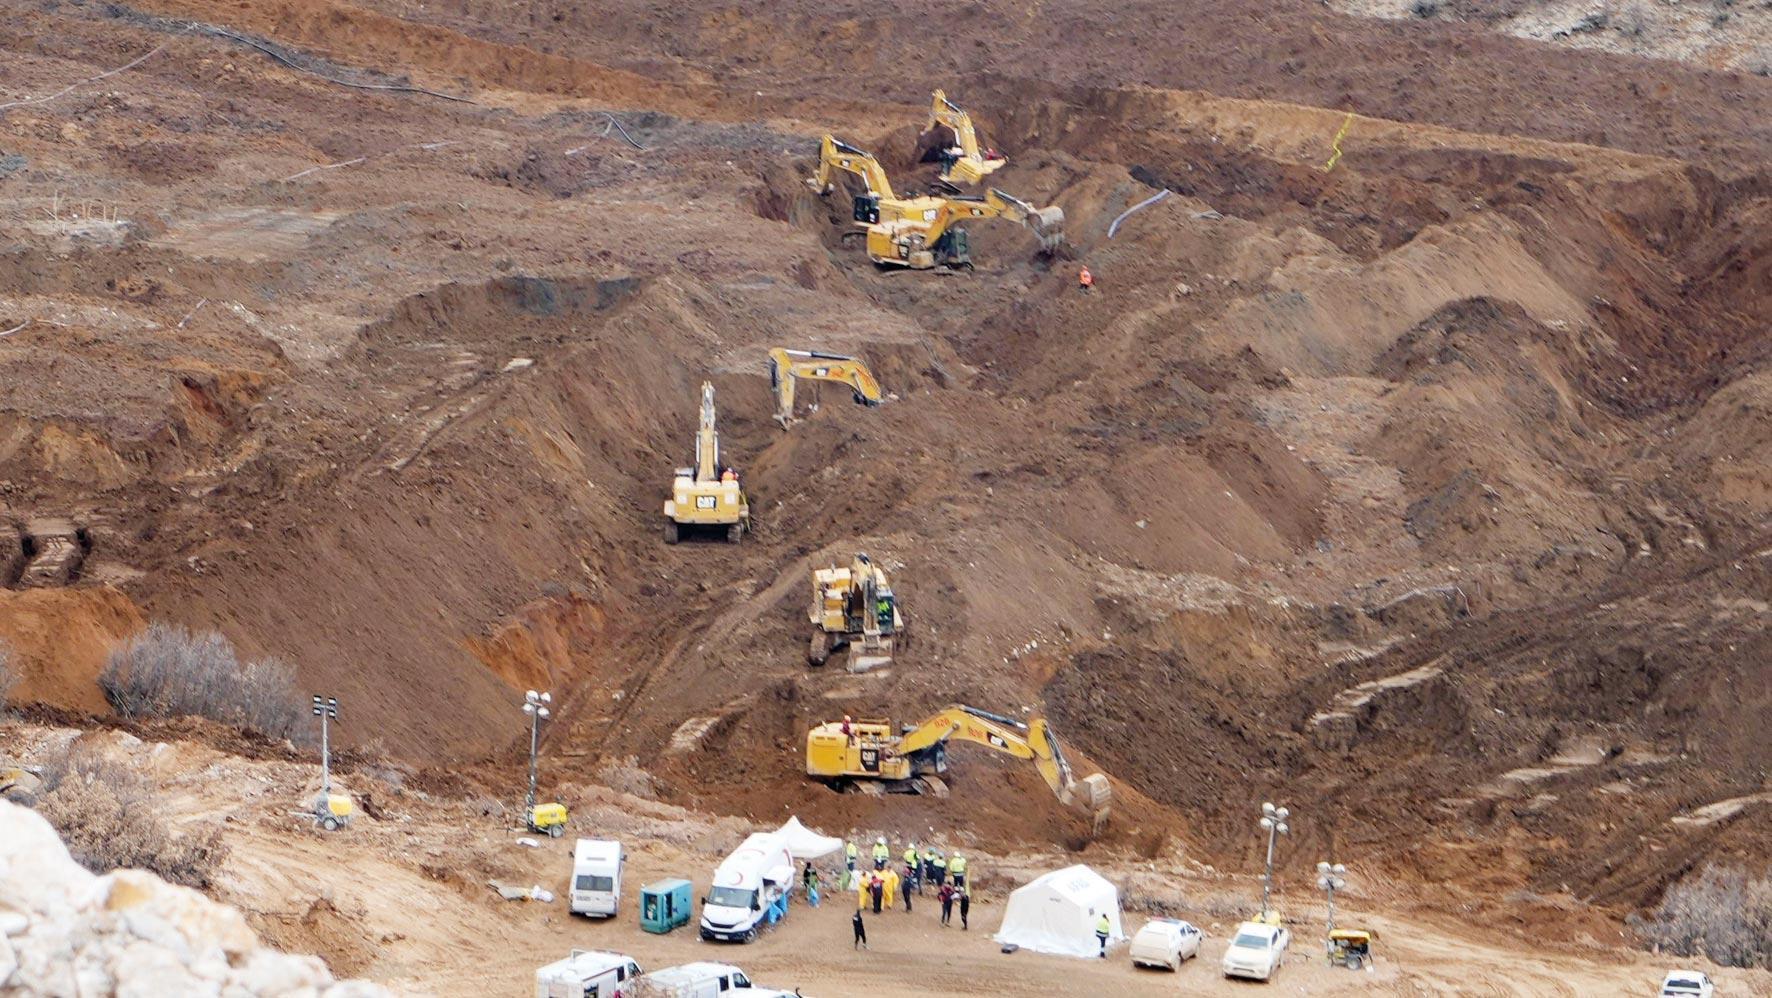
589 974
695 980
596 877
750 889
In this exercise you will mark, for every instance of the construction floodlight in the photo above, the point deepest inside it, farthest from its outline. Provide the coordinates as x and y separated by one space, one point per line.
326 707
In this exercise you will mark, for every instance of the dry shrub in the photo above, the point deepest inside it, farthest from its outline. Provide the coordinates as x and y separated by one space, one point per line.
167 671
111 819
1721 913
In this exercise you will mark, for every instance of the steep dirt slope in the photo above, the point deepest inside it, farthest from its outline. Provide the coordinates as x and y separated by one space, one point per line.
391 385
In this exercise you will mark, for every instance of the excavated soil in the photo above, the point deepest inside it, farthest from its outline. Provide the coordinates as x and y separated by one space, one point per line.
1428 493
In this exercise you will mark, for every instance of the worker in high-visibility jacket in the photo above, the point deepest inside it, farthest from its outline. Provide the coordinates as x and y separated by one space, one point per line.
882 854
850 851
957 870
913 866
1103 928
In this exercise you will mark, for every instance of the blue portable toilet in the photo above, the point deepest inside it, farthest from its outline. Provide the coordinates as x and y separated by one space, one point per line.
664 905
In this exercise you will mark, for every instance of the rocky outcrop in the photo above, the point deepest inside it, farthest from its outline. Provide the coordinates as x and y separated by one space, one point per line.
64 931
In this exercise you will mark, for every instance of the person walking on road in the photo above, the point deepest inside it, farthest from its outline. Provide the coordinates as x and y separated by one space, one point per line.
947 902
861 931
1102 928
965 907
957 869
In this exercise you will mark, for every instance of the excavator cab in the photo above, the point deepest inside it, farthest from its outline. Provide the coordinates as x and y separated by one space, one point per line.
867 208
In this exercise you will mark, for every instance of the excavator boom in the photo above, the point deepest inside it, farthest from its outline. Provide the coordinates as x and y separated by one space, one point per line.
834 154
970 165
707 439
789 366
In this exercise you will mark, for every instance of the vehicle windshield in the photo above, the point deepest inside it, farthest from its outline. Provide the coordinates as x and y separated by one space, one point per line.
732 897
592 882
1249 940
1682 984
739 980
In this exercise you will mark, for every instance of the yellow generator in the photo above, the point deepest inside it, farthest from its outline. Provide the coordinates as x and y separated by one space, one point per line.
853 606
706 495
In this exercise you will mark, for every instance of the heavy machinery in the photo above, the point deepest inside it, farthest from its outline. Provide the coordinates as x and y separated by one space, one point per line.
853 606
911 761
788 366
962 162
878 204
706 495
942 242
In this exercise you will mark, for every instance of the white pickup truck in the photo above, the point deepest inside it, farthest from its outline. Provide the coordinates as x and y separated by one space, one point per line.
1256 950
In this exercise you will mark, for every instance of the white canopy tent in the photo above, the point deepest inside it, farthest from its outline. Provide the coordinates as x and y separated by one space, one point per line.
1058 911
807 844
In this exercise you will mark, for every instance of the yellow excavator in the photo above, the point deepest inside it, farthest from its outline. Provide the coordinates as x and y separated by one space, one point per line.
707 495
788 366
878 203
962 163
942 242
845 752
853 606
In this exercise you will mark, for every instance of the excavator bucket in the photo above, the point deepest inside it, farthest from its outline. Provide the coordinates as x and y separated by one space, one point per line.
1048 225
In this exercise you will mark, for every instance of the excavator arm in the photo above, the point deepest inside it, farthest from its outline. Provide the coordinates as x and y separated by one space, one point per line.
970 166
707 439
834 155
1033 741
1047 223
788 366
945 112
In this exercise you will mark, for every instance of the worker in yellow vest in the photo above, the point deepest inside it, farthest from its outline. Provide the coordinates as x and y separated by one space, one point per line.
882 854
957 869
1103 928
913 865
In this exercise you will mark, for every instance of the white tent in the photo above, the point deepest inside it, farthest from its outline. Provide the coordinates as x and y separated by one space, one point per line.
1057 913
805 843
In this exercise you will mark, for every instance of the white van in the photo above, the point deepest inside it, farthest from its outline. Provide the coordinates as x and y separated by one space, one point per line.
696 980
596 877
589 974
750 889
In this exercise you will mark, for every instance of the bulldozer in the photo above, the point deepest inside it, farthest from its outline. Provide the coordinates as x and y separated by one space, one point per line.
788 366
707 495
853 606
942 242
844 753
962 162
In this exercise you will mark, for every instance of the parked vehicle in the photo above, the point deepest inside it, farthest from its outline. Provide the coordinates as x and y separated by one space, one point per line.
1256 950
1165 942
750 890
665 905
695 980
589 974
1687 984
596 877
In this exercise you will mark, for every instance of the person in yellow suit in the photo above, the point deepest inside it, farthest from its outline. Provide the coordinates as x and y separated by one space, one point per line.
889 887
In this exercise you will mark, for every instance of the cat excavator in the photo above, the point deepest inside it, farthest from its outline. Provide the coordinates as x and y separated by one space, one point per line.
708 494
879 203
847 751
788 366
942 242
962 163
853 606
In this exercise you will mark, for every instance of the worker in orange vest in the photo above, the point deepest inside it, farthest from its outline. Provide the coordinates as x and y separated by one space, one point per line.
1085 280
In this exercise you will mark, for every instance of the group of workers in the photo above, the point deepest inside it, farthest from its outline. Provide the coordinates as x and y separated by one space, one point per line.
879 886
